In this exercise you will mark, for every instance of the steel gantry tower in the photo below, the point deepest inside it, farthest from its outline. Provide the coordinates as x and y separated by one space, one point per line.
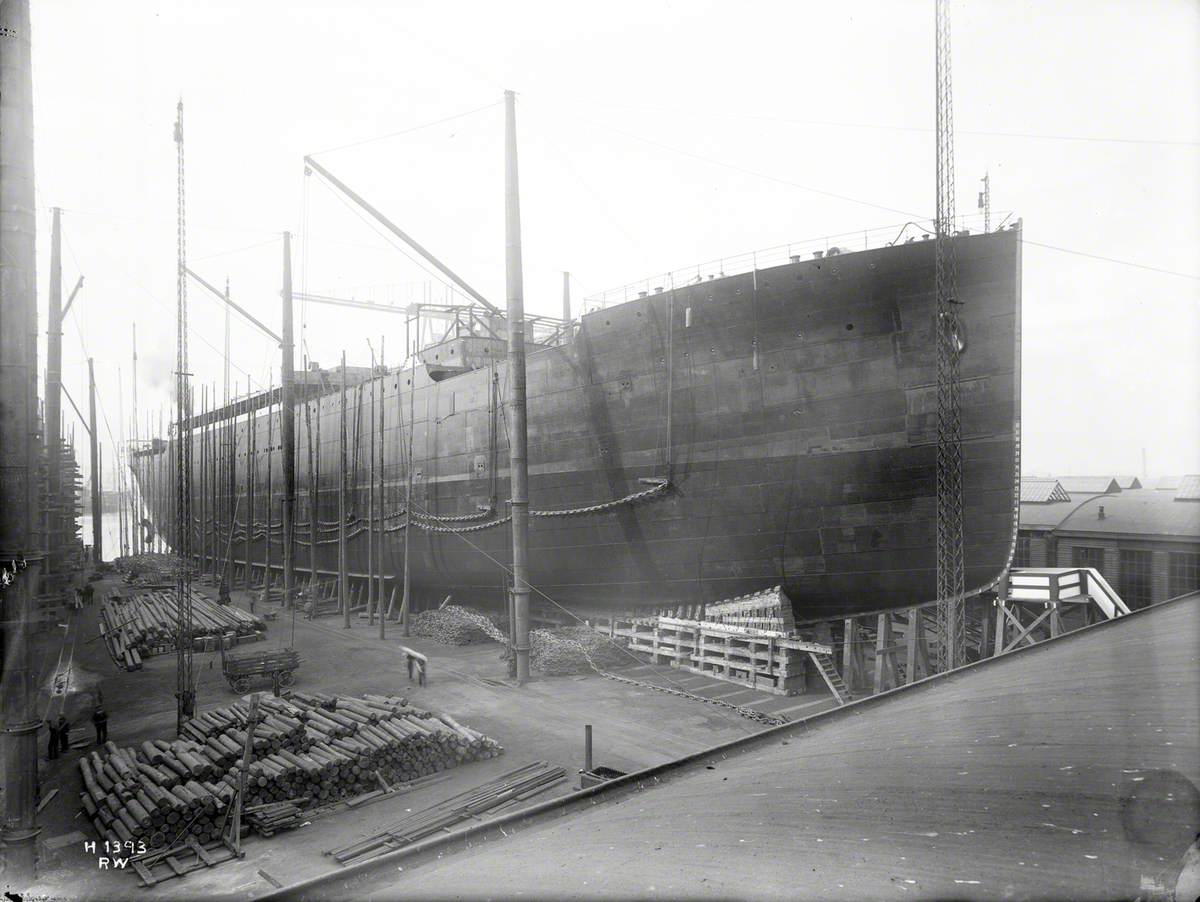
948 340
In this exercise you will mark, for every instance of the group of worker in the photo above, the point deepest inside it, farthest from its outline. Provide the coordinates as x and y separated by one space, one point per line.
84 595
60 732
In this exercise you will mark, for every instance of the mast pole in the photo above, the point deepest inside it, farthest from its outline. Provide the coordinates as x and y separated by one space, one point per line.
270 487
314 489
379 554
518 449
251 480
94 445
226 393
120 466
288 428
136 485
204 511
371 501
343 595
214 457
53 402
405 602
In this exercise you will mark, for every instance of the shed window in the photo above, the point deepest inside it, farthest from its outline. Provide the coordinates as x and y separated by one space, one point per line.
1021 559
1183 573
1135 578
1088 556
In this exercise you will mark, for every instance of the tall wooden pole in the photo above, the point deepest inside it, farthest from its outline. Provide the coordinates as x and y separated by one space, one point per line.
235 832
205 513
519 439
406 601
228 457
121 460
97 513
170 505
371 502
18 421
54 399
214 457
566 298
314 493
379 596
137 484
288 429
270 487
343 591
251 484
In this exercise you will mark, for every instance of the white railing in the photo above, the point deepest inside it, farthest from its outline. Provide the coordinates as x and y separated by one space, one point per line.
1048 584
846 242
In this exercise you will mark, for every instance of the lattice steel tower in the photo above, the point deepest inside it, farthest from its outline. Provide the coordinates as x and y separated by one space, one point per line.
948 340
185 693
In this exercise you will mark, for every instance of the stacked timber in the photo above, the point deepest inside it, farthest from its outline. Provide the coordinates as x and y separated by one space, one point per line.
515 786
147 624
454 625
770 609
269 819
305 751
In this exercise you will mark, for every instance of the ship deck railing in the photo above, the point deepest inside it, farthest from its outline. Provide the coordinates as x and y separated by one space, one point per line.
846 242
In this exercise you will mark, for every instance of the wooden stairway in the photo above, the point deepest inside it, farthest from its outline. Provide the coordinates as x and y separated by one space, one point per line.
832 678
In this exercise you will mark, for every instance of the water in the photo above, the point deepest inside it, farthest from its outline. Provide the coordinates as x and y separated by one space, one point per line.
110 533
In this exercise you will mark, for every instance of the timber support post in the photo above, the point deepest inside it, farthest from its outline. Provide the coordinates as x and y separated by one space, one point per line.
519 438
343 588
97 508
288 429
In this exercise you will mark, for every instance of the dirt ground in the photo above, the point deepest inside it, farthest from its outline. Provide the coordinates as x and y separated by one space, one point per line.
633 728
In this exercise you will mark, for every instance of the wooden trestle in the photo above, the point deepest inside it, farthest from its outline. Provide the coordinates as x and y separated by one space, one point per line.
865 654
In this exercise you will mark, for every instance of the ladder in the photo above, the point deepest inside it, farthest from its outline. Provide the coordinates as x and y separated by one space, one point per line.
832 678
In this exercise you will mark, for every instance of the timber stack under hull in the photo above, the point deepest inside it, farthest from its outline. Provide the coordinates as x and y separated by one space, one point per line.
777 427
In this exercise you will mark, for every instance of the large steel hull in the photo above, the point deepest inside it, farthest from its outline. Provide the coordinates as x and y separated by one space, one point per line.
800 445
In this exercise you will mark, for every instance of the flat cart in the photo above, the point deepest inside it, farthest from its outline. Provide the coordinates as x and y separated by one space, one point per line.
238 669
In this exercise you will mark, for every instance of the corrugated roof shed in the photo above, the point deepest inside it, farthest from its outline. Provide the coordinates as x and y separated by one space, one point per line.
1189 489
1143 512
1042 490
1089 485
1128 482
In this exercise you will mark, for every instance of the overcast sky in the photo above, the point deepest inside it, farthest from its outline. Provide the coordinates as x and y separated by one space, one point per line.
653 135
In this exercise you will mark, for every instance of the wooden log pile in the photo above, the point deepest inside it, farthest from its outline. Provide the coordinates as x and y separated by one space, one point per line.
306 750
136 626
454 625
150 569
514 786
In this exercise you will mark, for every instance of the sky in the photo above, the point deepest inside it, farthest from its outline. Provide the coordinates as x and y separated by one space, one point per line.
652 135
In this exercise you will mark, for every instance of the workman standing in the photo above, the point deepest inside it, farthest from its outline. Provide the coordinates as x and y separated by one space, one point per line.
64 734
52 749
100 721
223 594
88 592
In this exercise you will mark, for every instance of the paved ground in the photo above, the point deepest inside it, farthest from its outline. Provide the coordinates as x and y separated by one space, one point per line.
633 729
1065 772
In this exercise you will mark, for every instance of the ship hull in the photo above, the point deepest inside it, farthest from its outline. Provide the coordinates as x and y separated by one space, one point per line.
792 411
